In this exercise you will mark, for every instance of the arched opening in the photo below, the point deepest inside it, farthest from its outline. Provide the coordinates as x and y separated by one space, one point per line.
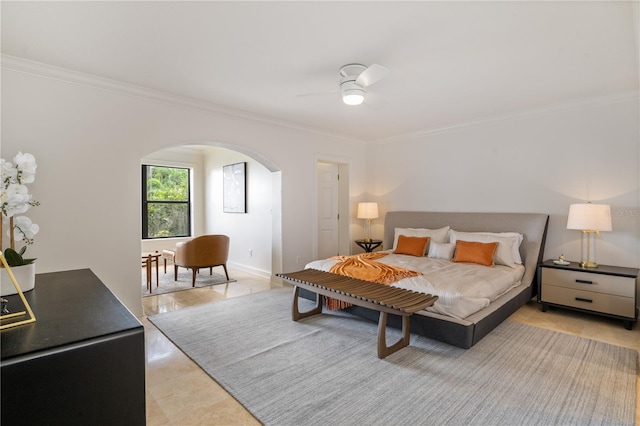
255 236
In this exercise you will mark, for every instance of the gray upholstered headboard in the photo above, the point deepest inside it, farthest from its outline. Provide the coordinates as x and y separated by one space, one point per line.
532 225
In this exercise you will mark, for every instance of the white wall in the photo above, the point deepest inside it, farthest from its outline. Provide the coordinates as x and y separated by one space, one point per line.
538 162
89 139
250 233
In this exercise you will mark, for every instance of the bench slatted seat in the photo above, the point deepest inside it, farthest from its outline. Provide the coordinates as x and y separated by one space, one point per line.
382 298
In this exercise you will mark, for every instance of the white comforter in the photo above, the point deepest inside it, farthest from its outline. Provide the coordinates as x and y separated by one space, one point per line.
462 288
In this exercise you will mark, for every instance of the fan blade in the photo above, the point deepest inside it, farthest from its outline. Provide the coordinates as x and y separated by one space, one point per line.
327 92
371 75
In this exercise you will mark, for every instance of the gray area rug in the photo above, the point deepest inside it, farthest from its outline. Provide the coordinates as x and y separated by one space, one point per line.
324 370
168 285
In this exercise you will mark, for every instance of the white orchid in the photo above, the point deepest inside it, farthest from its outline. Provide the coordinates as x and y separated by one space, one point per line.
9 172
24 229
26 167
16 199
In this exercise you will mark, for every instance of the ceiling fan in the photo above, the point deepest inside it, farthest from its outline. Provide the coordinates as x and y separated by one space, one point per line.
354 79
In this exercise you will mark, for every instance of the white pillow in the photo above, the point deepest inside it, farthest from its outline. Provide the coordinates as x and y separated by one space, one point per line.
441 250
516 248
436 235
506 244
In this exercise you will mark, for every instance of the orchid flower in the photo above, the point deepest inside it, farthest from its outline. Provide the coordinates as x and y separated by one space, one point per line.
15 199
26 166
9 172
24 229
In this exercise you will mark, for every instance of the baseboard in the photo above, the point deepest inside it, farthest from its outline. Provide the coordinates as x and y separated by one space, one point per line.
249 269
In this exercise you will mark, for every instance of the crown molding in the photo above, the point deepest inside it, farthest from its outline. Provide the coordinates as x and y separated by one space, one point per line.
41 69
100 83
543 110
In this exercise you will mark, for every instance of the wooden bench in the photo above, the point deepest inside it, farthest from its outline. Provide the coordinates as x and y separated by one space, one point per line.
379 297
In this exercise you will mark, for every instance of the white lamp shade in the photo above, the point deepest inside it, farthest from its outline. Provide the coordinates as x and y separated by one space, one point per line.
589 217
367 210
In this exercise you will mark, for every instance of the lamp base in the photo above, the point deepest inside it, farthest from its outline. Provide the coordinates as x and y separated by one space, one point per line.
367 227
589 249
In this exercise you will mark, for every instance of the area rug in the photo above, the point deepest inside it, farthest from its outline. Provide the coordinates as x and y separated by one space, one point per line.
324 370
168 284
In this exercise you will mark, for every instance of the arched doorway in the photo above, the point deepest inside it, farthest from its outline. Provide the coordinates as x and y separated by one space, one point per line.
256 236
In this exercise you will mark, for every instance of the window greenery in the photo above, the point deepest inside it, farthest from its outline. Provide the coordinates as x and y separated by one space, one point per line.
166 202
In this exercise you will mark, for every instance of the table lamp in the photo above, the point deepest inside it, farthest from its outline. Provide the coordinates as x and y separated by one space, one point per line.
368 212
590 219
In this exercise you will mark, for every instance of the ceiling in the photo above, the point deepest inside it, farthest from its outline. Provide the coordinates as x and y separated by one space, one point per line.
450 62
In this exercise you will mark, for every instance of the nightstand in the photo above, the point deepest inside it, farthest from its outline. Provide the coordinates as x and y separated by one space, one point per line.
369 245
605 290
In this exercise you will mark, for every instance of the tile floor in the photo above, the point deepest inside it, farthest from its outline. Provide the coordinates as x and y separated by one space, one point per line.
180 393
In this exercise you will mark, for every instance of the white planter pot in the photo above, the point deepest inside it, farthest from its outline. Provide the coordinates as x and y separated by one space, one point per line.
25 276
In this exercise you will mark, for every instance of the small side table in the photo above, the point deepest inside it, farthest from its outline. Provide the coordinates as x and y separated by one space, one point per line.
606 290
147 260
369 245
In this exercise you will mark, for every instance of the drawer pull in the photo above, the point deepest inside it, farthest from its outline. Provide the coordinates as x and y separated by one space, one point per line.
584 282
580 299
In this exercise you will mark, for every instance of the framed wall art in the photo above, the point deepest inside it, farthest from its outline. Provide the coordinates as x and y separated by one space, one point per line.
235 188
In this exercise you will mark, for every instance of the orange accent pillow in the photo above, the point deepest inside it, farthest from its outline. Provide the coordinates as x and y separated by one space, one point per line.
475 252
413 246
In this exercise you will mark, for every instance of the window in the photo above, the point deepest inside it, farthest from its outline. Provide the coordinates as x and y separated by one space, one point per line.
166 202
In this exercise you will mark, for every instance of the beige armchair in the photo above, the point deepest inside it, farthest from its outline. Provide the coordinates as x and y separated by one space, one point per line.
205 251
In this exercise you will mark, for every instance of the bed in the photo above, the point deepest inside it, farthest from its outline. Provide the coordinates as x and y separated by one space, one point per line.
473 299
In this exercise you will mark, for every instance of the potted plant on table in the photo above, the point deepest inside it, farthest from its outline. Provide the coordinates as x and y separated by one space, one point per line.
16 200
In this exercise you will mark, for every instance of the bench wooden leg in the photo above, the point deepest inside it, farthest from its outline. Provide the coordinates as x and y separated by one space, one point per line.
295 312
383 349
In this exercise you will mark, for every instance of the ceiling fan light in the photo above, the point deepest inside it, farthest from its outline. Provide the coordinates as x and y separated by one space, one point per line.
353 97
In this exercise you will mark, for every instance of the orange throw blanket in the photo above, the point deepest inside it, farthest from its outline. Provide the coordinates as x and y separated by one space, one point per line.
364 267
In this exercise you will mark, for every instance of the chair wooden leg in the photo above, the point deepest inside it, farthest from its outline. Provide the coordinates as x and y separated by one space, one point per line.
193 279
210 270
225 271
175 272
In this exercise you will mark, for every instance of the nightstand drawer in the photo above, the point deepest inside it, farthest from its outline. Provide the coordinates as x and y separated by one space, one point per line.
599 302
589 281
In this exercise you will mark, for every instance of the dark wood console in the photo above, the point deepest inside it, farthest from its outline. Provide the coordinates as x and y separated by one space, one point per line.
81 362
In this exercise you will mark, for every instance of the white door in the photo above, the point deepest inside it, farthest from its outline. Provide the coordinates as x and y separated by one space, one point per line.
328 207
